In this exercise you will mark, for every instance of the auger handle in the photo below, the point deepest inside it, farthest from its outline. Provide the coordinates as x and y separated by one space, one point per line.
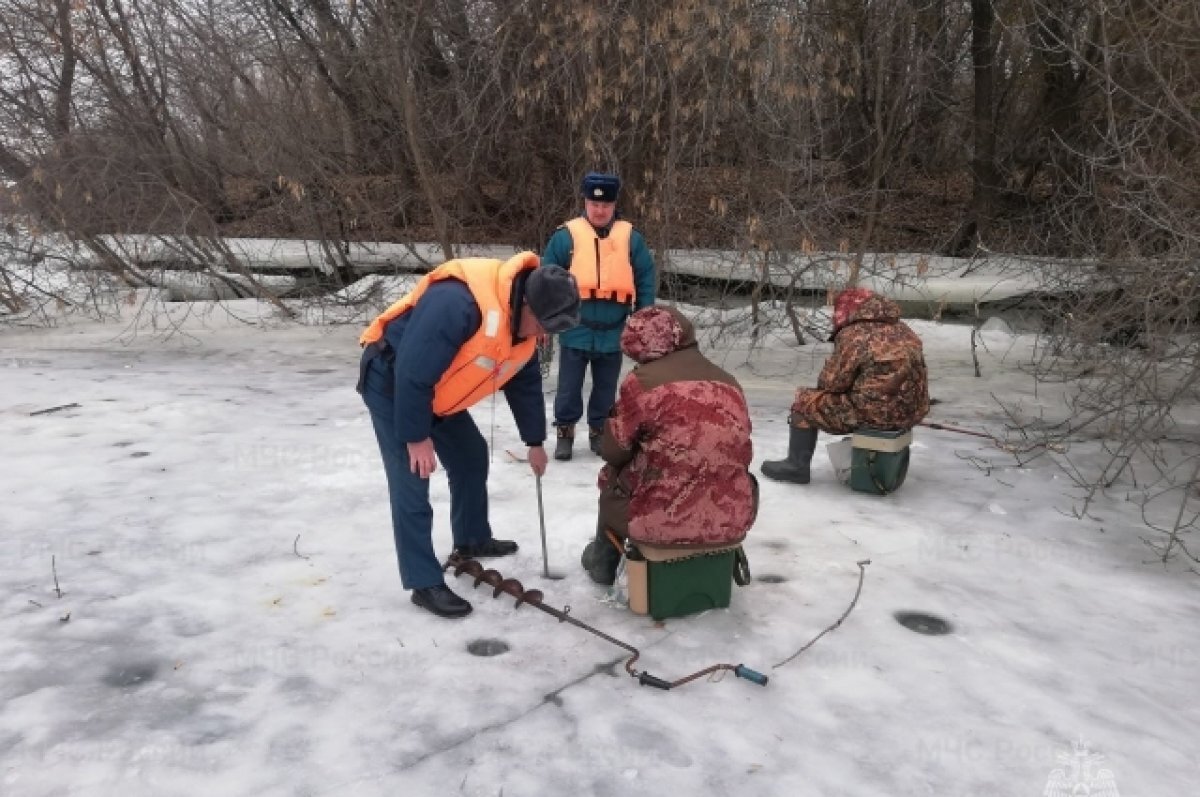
742 671
646 679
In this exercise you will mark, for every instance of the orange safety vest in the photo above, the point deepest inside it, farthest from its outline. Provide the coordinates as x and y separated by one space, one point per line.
489 359
601 265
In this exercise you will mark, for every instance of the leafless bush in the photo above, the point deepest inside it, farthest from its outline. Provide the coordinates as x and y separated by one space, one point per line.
1127 336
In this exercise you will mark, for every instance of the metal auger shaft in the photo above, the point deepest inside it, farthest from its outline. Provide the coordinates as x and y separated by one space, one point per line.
534 597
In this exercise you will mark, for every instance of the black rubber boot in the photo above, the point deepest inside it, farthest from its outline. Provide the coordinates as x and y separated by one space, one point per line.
600 559
594 439
794 469
566 440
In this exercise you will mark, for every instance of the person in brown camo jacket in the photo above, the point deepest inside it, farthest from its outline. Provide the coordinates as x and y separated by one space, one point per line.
676 447
876 377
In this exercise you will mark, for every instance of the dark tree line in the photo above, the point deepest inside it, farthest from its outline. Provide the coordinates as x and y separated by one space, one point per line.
1041 126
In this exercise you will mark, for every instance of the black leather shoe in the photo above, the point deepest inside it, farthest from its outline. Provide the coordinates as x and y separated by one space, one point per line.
489 547
441 600
594 441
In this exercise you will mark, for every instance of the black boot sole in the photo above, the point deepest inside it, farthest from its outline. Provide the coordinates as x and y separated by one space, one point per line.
785 475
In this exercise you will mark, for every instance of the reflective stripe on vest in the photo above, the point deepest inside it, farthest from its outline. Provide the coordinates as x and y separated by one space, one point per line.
489 359
601 265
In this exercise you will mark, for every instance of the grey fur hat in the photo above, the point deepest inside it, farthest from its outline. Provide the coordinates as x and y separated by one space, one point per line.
553 296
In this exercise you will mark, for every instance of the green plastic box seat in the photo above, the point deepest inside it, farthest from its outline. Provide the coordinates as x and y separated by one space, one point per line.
879 460
684 586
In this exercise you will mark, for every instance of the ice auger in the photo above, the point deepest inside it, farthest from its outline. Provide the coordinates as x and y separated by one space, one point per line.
533 597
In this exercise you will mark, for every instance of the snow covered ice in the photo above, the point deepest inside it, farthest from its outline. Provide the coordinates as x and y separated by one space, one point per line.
232 623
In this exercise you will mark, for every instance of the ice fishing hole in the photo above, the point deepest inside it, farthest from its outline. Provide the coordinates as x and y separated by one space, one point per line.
928 624
487 647
771 578
130 675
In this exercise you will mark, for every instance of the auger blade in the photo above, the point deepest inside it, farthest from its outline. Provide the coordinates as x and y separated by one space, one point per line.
468 566
533 597
509 586
492 577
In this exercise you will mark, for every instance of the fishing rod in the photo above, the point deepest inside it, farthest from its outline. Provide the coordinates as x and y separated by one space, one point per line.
534 598
944 428
1012 448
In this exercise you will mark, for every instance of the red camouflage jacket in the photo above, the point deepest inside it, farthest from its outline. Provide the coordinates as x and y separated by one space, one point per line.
678 439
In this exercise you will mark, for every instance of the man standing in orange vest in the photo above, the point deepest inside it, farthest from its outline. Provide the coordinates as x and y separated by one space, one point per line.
467 330
615 272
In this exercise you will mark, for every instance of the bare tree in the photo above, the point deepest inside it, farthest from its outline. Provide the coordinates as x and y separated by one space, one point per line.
1129 340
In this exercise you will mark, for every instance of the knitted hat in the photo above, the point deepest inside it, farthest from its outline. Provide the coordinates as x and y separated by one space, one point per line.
601 187
553 296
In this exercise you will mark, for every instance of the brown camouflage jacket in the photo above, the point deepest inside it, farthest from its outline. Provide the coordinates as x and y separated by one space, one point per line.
876 375
678 439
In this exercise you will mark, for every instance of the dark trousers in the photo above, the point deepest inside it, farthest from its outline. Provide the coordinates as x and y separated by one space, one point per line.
568 401
463 453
